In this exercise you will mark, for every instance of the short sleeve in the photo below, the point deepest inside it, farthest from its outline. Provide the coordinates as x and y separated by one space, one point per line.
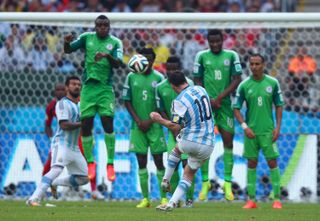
62 111
236 64
126 91
277 95
178 111
198 66
80 42
238 101
118 50
159 101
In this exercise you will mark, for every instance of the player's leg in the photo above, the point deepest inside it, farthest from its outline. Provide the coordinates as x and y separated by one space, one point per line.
190 192
106 104
251 153
47 165
175 176
110 139
271 153
158 161
203 194
227 139
87 143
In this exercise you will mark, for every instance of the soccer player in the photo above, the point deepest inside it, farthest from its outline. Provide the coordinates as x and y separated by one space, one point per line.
65 151
260 92
165 96
103 52
192 110
59 92
140 101
219 72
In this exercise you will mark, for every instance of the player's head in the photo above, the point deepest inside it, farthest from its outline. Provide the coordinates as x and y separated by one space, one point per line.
102 26
150 55
173 64
59 91
73 86
256 63
215 40
178 81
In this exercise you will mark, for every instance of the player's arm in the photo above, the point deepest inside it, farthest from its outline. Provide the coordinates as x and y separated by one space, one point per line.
68 125
70 45
278 101
174 127
236 110
115 58
198 70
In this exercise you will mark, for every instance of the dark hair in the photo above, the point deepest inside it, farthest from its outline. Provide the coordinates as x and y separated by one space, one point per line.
257 55
174 59
214 32
73 77
147 51
177 78
102 17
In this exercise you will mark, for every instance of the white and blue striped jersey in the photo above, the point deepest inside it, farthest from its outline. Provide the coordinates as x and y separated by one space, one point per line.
67 110
192 109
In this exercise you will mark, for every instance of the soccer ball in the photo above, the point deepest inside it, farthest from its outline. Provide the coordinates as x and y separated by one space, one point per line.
138 64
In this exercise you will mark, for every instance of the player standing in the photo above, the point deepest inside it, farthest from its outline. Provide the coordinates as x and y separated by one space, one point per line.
219 72
165 96
192 110
64 149
103 52
260 92
140 101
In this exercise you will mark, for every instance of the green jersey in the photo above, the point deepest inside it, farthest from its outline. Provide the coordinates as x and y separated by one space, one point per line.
91 43
216 71
259 97
140 90
165 95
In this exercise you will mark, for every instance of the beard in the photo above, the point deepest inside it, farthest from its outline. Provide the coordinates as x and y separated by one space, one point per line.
75 94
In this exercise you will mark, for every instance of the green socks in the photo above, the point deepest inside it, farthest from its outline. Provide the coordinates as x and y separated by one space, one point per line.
174 181
275 180
252 177
190 192
160 174
228 164
87 143
205 171
110 143
143 176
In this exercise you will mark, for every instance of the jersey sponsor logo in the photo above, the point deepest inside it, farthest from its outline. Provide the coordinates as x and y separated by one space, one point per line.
208 62
154 84
269 89
90 43
226 62
250 91
175 119
109 47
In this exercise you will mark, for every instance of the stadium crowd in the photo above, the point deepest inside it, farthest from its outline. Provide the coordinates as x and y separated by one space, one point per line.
142 6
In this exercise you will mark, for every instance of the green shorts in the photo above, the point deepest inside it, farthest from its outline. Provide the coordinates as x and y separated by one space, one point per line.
96 98
153 138
172 144
224 118
264 142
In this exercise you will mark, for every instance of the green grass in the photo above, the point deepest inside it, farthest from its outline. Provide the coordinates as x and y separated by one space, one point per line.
126 211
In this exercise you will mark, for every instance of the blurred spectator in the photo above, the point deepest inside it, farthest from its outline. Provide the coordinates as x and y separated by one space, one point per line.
52 38
268 6
121 6
150 6
39 58
27 39
12 57
208 5
301 71
94 6
234 7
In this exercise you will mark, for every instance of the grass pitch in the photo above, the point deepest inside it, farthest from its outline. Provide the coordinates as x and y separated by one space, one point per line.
126 211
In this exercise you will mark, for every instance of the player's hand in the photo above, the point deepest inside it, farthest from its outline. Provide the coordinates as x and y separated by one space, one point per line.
249 133
218 102
145 125
155 116
68 38
99 56
275 134
214 104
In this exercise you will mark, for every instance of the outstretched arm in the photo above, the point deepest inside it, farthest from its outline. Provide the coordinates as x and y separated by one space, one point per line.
156 117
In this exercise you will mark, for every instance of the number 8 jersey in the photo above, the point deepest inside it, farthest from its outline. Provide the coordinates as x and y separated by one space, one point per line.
192 110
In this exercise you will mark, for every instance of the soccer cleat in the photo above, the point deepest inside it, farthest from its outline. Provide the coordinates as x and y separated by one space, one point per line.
227 189
165 185
92 171
145 203
110 173
164 201
277 204
250 205
33 202
203 195
166 208
54 191
96 195
189 204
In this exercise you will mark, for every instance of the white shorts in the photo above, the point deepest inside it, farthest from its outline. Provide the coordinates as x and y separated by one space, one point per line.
65 157
197 153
